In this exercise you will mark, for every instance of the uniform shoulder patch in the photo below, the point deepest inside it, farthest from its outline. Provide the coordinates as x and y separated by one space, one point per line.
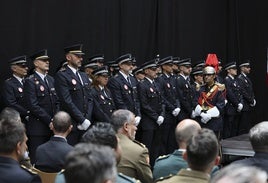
164 178
31 76
220 86
128 179
162 157
139 143
28 170
8 79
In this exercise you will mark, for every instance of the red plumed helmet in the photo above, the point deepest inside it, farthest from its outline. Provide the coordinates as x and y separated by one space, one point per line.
213 61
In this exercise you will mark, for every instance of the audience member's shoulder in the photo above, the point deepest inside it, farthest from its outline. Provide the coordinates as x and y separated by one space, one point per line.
27 174
139 144
121 178
161 179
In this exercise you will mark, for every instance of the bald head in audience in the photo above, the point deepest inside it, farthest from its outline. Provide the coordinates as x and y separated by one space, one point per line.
185 130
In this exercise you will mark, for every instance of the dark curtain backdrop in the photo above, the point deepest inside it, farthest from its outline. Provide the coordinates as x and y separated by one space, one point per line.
234 29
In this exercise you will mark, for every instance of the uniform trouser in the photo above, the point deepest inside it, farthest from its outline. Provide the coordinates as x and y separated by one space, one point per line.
33 143
152 140
230 125
75 137
168 135
244 123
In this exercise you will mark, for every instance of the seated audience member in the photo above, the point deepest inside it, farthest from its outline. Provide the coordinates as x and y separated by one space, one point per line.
12 149
8 114
103 134
240 174
201 155
90 163
135 157
258 136
172 163
50 156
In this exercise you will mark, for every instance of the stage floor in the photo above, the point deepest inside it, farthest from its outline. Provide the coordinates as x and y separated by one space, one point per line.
237 146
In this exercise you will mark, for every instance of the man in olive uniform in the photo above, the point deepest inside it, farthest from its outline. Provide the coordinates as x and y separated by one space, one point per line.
234 104
13 93
248 98
42 102
135 157
201 155
172 163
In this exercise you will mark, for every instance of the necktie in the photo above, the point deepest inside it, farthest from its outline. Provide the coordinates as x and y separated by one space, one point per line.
104 93
23 81
79 78
46 82
128 80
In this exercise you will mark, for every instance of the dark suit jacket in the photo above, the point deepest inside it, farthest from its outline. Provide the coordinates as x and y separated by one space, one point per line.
124 95
169 93
42 102
50 156
186 96
74 97
12 172
13 95
259 160
233 95
105 102
246 90
152 104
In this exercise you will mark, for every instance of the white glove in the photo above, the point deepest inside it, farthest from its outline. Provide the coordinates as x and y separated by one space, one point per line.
225 101
213 112
160 120
84 125
137 120
240 107
254 103
197 111
205 117
176 111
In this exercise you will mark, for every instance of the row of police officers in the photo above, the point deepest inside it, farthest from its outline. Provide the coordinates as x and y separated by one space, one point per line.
159 100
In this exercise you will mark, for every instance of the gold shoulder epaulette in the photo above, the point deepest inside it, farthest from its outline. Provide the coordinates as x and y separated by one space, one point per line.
162 157
164 178
220 86
28 170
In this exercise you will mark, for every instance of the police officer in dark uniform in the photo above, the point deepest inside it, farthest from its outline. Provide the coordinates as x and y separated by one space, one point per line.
13 93
138 74
73 88
234 101
169 93
98 59
101 93
184 89
12 149
89 66
123 87
42 102
152 111
211 102
248 98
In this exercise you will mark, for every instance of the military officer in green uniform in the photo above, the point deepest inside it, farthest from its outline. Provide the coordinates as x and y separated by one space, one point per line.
170 164
201 155
135 157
